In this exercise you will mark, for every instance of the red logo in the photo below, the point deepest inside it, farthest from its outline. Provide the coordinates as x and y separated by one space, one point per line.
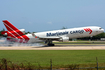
88 30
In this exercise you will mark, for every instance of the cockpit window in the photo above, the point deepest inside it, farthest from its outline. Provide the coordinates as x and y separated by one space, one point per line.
100 28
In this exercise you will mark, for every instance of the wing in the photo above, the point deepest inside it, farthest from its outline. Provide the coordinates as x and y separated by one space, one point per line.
46 38
57 38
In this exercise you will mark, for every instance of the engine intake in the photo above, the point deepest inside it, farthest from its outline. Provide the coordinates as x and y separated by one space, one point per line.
64 39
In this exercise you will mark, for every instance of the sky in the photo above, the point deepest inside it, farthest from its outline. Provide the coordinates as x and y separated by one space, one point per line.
46 15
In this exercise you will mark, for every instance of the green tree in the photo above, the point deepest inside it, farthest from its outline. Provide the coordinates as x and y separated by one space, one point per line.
97 37
2 31
27 32
64 27
102 35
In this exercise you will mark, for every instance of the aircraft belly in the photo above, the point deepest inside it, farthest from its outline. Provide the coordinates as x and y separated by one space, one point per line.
35 40
71 36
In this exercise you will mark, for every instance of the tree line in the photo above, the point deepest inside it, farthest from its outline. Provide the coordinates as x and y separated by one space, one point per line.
97 37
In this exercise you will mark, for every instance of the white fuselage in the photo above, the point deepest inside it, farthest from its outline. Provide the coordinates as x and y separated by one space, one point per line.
17 35
70 33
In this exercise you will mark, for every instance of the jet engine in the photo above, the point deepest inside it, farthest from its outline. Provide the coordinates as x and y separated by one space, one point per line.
64 39
22 30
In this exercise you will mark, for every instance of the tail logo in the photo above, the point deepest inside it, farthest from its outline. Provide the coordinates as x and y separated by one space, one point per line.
88 30
14 33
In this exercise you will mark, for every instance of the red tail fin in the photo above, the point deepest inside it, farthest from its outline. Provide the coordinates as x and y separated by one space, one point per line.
14 32
9 26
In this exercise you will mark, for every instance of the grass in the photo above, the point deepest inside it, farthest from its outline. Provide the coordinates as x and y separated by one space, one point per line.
59 57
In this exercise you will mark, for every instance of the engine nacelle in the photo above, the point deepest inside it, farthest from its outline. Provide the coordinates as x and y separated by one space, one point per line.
22 30
64 39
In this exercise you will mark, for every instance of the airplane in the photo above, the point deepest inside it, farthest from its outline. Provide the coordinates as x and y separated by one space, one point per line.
18 35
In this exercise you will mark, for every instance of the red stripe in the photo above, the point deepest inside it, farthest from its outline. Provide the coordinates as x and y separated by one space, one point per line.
7 27
10 25
19 39
88 30
23 41
15 33
24 36
12 29
11 35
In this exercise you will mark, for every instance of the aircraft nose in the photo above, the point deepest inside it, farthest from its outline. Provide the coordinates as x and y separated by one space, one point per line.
101 30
